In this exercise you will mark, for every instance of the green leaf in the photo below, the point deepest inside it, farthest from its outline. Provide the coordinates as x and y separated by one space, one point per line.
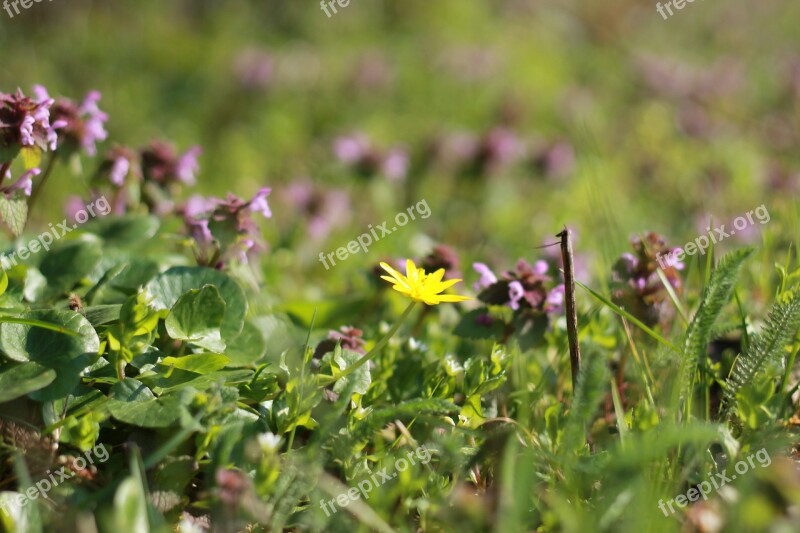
130 506
19 380
69 262
716 294
14 212
201 363
68 355
768 347
102 314
361 378
196 317
124 230
470 328
248 347
166 289
132 402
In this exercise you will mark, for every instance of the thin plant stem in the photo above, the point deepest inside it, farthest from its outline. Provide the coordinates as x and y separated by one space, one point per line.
572 315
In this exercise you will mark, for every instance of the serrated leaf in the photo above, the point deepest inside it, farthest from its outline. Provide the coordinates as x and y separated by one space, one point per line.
14 212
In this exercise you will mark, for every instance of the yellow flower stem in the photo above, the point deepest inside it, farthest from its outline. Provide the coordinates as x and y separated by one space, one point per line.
327 380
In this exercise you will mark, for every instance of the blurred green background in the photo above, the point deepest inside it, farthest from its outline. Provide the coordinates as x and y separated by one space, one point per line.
668 121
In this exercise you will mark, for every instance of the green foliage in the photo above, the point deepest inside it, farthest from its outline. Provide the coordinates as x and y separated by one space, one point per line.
768 347
717 293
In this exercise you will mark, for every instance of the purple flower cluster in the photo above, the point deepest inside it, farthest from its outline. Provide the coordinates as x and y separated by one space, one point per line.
359 153
499 149
31 125
25 122
324 209
163 165
636 285
80 126
348 337
524 289
224 229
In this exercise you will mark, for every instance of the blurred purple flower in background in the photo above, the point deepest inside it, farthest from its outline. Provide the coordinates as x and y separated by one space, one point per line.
162 164
359 153
254 69
554 159
442 256
487 277
324 209
80 125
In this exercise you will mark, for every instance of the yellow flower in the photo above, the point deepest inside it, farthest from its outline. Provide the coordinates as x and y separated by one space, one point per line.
422 287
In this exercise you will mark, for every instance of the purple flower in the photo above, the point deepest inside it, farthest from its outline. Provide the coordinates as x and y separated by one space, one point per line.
487 277
515 293
254 69
636 284
395 165
80 125
118 165
24 183
224 229
359 153
324 209
259 202
350 149
442 256
119 169
162 164
25 122
555 300
540 267
187 166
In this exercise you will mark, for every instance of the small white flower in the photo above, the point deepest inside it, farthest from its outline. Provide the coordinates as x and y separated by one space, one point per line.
269 441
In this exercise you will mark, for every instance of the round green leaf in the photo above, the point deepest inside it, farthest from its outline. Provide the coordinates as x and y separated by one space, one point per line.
165 289
196 317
